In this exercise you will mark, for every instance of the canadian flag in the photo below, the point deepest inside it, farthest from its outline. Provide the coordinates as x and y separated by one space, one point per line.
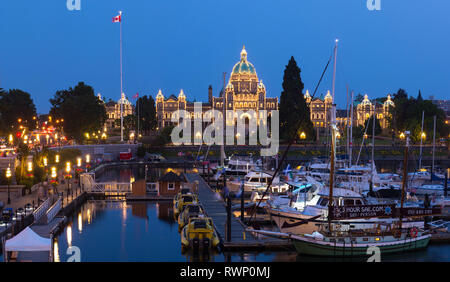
117 19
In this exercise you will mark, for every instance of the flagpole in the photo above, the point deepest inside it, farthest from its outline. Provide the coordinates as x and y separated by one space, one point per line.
138 117
121 81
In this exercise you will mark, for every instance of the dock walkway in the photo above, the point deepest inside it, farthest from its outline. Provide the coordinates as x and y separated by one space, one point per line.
240 239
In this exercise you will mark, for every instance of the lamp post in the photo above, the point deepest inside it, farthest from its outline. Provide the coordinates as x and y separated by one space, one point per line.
68 169
8 176
54 175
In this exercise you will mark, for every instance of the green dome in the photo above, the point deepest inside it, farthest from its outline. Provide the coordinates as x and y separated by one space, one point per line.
244 67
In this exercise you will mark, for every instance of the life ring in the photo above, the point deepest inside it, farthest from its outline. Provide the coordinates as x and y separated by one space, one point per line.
413 232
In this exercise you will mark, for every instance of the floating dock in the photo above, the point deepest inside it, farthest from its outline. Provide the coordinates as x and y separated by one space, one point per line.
215 208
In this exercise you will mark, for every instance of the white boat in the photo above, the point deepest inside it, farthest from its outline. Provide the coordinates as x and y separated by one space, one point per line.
241 165
430 189
310 209
258 181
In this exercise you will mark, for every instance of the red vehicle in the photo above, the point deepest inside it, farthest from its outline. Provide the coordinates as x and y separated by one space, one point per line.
125 156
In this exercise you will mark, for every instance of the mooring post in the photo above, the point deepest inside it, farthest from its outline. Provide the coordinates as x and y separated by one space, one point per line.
228 218
208 173
242 202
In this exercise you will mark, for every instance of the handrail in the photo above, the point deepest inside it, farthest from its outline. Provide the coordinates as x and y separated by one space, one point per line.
54 210
41 210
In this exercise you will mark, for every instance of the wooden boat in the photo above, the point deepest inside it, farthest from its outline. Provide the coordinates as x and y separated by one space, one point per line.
190 210
199 233
345 245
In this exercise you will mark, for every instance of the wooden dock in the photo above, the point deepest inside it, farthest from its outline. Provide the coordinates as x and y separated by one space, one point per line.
215 208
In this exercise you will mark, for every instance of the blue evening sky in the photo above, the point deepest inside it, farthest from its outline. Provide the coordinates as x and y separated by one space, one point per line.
188 44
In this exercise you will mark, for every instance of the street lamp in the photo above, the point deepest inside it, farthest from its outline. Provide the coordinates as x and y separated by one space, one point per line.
45 161
423 135
88 158
54 175
8 176
79 162
57 158
11 139
402 135
302 135
68 169
30 167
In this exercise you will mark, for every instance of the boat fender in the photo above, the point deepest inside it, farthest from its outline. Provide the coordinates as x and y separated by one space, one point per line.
413 232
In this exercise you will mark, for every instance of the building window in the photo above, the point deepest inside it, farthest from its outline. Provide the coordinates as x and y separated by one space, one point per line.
171 186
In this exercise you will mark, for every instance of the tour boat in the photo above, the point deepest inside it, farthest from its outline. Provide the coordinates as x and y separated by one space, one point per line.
198 234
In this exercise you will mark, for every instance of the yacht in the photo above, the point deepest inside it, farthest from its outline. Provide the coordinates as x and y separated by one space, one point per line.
258 181
308 208
241 165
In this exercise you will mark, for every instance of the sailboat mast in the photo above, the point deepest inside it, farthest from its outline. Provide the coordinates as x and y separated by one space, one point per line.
333 141
434 145
351 130
373 146
224 100
348 142
405 176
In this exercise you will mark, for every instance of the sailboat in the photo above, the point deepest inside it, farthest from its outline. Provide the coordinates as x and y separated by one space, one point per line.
332 241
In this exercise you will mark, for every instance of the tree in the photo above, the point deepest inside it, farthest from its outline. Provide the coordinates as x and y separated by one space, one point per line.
14 105
294 113
129 123
81 110
164 136
147 114
407 116
369 124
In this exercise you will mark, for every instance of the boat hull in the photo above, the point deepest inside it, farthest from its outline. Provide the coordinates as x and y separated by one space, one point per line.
312 247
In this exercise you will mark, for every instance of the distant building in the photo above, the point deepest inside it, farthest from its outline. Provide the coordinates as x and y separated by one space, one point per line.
367 108
113 110
244 91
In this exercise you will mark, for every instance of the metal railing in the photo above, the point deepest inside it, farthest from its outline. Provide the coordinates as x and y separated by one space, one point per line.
41 210
54 210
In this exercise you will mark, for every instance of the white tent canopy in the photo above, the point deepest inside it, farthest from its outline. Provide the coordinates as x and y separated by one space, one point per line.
28 241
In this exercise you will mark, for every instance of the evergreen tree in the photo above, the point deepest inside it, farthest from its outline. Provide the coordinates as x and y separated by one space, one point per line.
419 97
147 114
294 112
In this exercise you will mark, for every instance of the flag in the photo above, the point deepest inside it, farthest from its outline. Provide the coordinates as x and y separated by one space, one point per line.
117 19
136 96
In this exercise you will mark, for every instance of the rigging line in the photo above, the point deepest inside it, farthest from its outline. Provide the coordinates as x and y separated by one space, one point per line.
302 117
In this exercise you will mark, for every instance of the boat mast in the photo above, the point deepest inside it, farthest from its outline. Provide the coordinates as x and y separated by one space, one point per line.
351 131
333 140
434 145
348 141
373 147
224 101
405 176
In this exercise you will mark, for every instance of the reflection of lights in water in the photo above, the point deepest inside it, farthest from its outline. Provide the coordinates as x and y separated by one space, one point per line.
132 179
55 251
69 235
89 216
124 211
80 223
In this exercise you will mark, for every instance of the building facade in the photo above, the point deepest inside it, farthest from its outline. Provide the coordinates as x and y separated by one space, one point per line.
244 91
113 110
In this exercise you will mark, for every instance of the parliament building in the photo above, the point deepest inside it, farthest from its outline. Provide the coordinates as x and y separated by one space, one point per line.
244 91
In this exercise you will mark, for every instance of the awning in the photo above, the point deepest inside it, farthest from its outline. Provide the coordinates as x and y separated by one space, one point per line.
28 241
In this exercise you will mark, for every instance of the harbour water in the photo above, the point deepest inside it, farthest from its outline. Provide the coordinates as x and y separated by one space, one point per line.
114 231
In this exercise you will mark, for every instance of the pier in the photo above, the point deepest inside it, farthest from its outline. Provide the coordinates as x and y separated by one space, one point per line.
215 208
